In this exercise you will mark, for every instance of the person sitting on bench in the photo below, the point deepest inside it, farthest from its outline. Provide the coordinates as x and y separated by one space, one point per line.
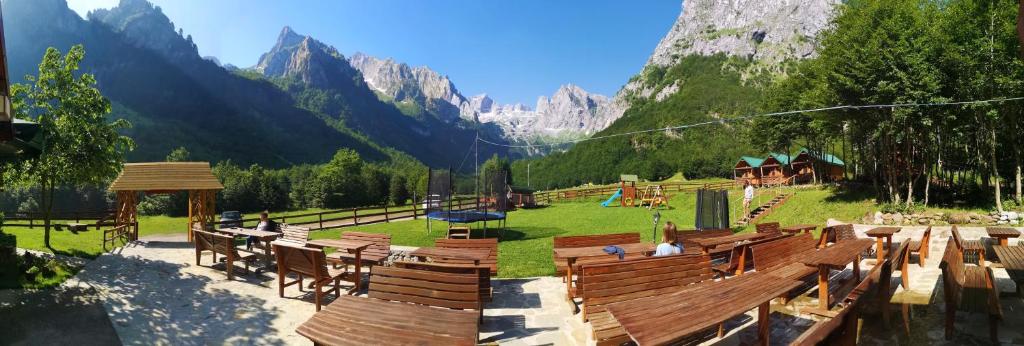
668 244
266 224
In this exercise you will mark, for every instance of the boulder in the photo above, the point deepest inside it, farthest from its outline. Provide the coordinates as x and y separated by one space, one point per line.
924 221
959 219
878 218
897 218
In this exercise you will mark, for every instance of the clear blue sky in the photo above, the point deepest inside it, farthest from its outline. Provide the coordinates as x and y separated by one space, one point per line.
512 50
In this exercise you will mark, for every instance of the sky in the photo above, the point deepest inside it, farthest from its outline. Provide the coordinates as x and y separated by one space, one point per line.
514 51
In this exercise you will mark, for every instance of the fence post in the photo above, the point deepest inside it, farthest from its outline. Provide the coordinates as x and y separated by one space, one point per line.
386 218
320 216
414 209
355 216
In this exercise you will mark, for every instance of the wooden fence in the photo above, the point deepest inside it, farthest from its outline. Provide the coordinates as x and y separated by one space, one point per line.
605 191
330 219
35 219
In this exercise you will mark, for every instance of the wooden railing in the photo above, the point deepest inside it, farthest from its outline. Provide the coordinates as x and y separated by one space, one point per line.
35 219
329 219
605 191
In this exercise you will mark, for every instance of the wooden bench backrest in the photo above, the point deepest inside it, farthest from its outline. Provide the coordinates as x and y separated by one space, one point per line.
596 240
782 251
609 283
927 237
381 242
447 290
957 240
488 243
302 260
842 232
294 233
687 238
769 227
901 256
218 243
953 275
734 256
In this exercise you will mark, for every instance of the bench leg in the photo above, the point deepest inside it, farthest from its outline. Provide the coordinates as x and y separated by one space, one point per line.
317 294
763 325
950 318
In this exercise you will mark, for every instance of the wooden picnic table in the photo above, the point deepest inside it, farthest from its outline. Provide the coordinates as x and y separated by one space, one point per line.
447 253
669 318
1012 258
834 257
1003 234
351 320
355 247
880 233
264 236
570 254
806 228
707 243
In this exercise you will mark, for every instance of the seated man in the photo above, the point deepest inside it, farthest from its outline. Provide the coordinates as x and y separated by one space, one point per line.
266 224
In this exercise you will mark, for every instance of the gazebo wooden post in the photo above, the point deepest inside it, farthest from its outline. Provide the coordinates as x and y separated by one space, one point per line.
127 212
201 209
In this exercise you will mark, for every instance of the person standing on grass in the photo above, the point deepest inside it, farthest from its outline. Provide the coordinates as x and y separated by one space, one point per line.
748 196
668 245
266 224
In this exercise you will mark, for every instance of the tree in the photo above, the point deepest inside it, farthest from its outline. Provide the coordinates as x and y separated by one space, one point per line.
80 145
398 192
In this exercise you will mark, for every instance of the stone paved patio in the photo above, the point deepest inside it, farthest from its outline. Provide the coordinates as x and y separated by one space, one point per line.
154 294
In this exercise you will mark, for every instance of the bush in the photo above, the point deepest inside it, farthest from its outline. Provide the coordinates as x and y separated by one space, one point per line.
902 208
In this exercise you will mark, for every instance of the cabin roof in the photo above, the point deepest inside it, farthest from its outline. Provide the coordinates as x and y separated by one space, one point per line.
166 176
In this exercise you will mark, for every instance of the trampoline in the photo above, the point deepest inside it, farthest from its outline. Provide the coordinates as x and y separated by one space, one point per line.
466 216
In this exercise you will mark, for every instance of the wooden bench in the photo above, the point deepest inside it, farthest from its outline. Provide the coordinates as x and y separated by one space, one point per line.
221 244
841 330
294 233
779 258
610 283
740 257
836 233
686 238
486 243
768 227
969 289
921 246
425 287
587 241
305 262
973 247
375 254
483 271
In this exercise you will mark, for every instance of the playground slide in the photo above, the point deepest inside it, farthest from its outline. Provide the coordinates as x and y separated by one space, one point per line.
612 198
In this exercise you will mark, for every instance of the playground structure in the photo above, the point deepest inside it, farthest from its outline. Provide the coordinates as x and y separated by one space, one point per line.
652 196
492 202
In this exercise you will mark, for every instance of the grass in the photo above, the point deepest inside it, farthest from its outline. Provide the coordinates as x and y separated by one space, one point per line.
12 277
525 250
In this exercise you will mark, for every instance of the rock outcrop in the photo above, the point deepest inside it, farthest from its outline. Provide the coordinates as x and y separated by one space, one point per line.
433 91
306 59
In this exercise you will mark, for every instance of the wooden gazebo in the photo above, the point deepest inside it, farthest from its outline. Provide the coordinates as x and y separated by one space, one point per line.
167 177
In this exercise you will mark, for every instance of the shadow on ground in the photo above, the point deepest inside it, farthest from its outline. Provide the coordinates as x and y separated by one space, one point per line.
144 300
56 316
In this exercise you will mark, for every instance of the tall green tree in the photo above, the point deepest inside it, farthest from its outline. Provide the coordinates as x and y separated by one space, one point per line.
81 146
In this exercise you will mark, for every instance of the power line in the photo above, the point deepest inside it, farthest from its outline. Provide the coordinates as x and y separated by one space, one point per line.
747 117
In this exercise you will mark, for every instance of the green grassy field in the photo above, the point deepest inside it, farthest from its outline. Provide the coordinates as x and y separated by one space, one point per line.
525 249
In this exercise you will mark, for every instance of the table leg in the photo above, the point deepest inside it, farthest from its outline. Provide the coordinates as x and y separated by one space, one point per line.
704 250
743 261
359 275
888 244
568 277
1004 241
763 324
856 269
879 250
823 287
266 257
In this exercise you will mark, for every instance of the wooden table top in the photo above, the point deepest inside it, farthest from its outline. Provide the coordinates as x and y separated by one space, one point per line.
837 255
883 231
341 244
235 231
452 253
735 238
1002 232
1012 257
798 228
353 320
587 251
696 307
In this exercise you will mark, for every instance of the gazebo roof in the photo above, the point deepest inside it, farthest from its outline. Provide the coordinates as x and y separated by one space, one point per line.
166 176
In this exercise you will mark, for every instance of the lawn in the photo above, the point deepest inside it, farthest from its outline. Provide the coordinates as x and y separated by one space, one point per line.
525 249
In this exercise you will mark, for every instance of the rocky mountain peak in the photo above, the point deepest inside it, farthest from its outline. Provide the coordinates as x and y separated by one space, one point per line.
305 58
145 25
435 92
769 31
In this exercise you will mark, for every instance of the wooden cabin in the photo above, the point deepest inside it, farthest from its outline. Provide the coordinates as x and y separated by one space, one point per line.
748 169
775 169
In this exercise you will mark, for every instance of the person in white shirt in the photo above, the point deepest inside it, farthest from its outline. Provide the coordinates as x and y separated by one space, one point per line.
668 244
266 224
748 195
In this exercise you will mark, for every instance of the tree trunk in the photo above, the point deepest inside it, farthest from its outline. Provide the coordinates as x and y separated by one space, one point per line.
927 185
995 171
46 199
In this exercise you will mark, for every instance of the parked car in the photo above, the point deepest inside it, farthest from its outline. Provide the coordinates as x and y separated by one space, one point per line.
230 219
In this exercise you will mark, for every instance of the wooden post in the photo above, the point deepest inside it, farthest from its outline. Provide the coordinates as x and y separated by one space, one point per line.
355 217
320 216
386 218
414 209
